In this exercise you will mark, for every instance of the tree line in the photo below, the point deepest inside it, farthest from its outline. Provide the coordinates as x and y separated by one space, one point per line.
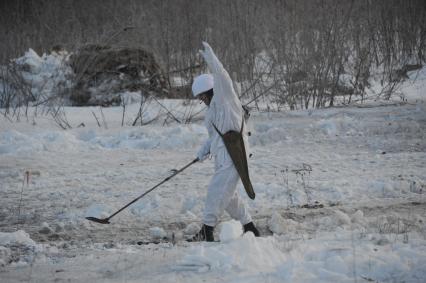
301 53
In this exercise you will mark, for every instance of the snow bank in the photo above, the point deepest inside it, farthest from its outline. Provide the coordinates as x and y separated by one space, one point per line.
337 123
17 247
187 136
19 237
230 230
246 253
13 142
149 138
46 73
280 259
280 225
157 232
414 89
327 260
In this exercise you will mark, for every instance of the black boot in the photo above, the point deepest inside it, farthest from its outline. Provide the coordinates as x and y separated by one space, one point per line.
205 234
250 227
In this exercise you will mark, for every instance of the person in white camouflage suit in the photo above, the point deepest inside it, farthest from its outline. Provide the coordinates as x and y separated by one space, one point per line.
226 113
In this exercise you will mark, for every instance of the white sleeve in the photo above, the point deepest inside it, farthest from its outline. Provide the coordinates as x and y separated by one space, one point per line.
211 59
204 151
223 87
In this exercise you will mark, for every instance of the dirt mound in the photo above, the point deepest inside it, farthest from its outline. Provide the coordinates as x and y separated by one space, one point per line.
103 71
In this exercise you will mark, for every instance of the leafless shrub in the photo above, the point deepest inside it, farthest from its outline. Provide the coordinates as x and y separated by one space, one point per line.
310 45
145 101
15 92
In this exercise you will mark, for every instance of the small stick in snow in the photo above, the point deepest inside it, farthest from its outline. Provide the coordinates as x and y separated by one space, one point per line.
103 119
96 119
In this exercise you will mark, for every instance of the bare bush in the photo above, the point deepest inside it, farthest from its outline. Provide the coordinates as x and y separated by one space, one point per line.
318 52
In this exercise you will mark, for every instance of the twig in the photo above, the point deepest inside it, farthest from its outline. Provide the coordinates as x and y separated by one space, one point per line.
96 119
168 112
185 69
27 179
103 119
61 121
262 93
124 111
7 117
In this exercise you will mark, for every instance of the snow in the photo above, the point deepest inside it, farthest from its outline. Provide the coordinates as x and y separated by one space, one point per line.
246 254
230 230
340 196
413 89
45 74
18 237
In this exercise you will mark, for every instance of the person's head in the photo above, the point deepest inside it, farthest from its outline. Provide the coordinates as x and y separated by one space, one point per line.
202 88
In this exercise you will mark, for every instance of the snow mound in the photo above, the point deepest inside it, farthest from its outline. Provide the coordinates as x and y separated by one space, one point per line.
413 89
280 225
19 237
149 138
246 253
15 142
231 230
327 260
45 74
157 232
191 229
17 247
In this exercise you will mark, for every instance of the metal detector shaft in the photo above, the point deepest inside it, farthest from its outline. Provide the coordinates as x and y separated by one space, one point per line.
106 220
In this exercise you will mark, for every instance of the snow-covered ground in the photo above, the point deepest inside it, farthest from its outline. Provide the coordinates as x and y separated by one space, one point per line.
340 197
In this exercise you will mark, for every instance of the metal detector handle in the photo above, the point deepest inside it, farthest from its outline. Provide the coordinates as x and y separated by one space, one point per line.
147 192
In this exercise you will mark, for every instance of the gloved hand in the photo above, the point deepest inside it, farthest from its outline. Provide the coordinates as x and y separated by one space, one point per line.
207 50
204 151
202 155
214 64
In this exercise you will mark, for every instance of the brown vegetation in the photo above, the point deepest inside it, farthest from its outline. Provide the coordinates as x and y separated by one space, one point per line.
308 45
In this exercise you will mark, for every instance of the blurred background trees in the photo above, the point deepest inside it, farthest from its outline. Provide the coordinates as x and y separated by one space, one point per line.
302 53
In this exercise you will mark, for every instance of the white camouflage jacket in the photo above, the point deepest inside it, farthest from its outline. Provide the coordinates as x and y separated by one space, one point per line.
225 110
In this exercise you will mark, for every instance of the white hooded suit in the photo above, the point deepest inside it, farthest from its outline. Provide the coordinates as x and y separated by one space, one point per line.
226 113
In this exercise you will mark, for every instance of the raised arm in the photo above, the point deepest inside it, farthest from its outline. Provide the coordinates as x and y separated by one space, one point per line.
223 88
211 59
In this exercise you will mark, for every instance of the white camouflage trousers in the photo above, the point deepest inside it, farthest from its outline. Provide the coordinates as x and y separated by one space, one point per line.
222 193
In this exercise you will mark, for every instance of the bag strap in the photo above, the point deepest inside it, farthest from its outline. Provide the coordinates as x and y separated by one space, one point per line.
220 134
